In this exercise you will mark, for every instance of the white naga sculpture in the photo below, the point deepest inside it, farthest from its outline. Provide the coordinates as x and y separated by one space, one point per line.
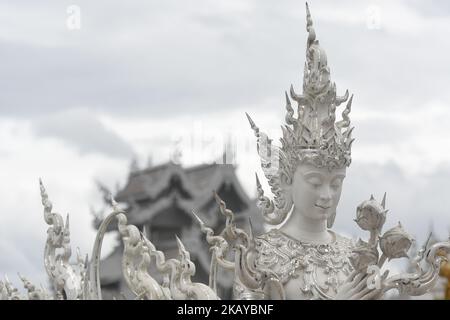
300 258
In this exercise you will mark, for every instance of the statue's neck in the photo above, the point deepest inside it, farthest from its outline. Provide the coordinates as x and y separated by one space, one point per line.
306 229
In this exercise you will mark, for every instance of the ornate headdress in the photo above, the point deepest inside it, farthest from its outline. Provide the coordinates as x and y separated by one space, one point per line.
314 136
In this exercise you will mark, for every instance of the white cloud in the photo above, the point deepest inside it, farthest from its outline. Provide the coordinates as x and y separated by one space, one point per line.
81 129
166 58
69 179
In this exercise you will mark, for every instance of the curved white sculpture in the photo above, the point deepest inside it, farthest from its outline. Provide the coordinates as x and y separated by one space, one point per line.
300 258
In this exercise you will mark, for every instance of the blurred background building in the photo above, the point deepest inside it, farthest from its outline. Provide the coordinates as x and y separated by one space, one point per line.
160 200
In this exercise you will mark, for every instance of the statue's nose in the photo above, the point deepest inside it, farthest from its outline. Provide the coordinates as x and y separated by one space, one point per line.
325 194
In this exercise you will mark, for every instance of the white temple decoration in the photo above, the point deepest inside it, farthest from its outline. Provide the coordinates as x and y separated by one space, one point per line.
313 136
289 262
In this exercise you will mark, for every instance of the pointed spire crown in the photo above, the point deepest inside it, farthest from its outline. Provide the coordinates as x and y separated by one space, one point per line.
312 134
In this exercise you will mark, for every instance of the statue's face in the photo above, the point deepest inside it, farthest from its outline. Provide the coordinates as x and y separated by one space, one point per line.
316 191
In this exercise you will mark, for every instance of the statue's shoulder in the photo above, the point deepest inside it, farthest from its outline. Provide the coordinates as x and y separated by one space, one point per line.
344 241
270 246
271 235
270 241
279 253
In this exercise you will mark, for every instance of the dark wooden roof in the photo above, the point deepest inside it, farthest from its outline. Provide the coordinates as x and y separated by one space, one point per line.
152 193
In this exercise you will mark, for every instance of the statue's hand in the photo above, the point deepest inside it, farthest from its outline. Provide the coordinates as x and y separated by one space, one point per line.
358 287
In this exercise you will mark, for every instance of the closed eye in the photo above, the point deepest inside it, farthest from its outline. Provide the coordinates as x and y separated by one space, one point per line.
336 183
315 181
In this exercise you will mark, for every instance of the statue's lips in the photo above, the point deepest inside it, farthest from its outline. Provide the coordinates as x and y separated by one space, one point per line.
324 208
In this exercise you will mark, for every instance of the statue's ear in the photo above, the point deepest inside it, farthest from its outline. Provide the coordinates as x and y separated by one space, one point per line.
330 220
286 185
285 180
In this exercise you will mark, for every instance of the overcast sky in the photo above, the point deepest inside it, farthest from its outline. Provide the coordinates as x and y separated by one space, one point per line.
145 78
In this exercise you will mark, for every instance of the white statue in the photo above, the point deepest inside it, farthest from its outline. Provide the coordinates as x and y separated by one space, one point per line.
306 259
306 176
300 258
